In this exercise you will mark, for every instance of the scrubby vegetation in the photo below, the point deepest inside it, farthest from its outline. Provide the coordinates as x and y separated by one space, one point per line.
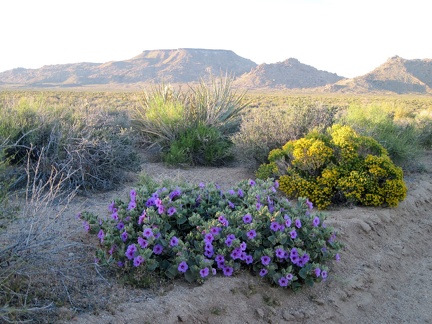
54 142
336 167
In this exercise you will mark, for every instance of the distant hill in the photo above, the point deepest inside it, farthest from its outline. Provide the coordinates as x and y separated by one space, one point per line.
289 74
189 65
177 66
397 75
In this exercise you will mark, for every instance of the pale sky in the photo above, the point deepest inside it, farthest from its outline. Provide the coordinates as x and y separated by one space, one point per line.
347 37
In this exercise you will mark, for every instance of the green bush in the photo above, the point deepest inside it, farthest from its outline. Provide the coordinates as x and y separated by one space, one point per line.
398 133
265 129
199 146
173 120
337 167
195 231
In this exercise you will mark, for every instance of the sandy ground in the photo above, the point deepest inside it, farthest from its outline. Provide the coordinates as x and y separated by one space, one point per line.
384 276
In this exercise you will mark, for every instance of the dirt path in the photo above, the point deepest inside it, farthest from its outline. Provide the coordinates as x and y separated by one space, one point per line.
384 275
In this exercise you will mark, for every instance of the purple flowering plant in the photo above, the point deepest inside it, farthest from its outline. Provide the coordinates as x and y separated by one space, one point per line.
191 231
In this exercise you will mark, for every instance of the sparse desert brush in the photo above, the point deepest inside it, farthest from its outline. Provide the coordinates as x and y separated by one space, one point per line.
336 167
265 129
95 142
394 126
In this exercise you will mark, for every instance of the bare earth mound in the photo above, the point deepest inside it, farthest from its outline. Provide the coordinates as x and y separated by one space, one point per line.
384 275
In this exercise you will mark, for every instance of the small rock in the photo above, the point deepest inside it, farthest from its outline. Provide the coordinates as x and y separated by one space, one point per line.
365 227
260 312
287 316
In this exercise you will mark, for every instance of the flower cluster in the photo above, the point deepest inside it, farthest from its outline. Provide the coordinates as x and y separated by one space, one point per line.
195 231
337 167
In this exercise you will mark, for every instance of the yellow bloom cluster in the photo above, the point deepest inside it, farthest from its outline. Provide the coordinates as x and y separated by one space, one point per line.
347 167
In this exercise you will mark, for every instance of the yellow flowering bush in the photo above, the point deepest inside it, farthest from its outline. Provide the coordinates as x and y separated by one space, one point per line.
337 167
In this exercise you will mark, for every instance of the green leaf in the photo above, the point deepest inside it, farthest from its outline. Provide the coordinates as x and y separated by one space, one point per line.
181 220
189 276
303 273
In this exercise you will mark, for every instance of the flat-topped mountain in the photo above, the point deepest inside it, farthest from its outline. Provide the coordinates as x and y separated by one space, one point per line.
396 75
178 66
289 74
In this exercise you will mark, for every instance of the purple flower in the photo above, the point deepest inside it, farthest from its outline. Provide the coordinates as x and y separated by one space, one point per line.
219 258
174 241
111 251
161 209
283 282
86 226
317 272
293 234
171 211
120 264
204 272
227 271
115 216
240 193
251 182
124 236
133 195
208 237
231 205
247 218
323 274
157 235
337 257
213 271
289 276
182 267
293 252
208 253
138 261
298 223
208 246
147 232
231 236
111 207
276 184
228 242
101 235
309 204
315 221
120 226
132 205
142 218
130 252
249 259
274 226
263 272
243 246
273 189
235 254
215 230
157 249
220 265
174 194
202 185
265 260
150 202
158 202
258 206
142 242
251 234
287 221
280 253
231 192
223 220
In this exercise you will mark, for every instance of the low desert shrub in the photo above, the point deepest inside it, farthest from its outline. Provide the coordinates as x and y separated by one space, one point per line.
398 133
194 231
265 129
336 167
203 145
179 122
91 148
